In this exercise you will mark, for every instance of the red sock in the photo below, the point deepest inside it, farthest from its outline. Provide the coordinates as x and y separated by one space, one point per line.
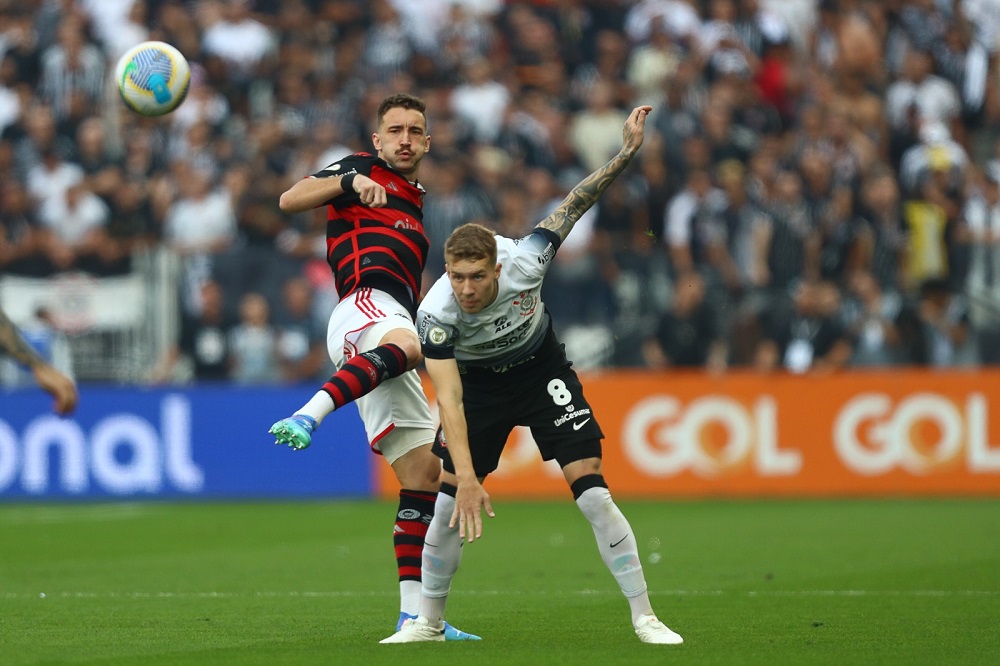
416 508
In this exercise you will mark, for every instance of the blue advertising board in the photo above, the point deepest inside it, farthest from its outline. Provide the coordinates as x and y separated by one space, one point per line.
199 442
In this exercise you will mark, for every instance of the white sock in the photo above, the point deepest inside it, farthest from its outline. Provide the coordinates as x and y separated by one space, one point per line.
319 407
619 550
409 597
442 553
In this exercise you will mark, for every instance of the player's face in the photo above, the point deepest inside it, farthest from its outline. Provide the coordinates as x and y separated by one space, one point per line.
402 139
474 283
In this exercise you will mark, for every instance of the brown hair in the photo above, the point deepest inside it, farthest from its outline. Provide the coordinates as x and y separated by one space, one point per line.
402 101
471 242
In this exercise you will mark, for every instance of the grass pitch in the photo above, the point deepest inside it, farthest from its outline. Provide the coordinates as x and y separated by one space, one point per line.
745 582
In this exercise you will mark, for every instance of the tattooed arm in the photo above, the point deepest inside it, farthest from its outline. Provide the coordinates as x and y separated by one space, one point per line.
590 189
56 383
12 343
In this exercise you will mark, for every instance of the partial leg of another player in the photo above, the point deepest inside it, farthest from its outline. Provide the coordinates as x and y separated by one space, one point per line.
421 532
618 547
441 557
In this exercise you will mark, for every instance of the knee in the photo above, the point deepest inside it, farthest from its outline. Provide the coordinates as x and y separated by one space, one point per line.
408 342
419 470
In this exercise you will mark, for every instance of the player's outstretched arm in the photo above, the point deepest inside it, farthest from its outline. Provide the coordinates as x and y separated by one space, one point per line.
590 189
56 383
471 498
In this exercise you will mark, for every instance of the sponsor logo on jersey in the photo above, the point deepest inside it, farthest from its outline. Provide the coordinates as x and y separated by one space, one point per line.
526 303
501 323
392 186
504 368
407 224
565 418
546 256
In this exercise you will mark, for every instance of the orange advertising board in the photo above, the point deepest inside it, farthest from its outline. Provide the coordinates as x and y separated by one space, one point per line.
911 432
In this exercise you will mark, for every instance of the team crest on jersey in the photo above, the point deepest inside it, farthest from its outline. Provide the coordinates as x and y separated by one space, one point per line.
526 302
437 335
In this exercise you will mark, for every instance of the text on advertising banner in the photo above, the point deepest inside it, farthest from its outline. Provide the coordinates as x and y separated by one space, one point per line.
905 432
205 442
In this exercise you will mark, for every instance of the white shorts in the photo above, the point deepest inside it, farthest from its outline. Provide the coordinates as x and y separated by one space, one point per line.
396 416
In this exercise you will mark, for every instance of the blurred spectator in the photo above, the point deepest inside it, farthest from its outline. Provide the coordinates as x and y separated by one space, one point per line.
652 63
72 78
480 99
882 242
388 46
198 225
936 331
691 225
983 286
254 343
788 246
202 351
20 234
918 96
301 331
808 337
75 230
933 179
688 335
237 38
101 165
744 226
870 315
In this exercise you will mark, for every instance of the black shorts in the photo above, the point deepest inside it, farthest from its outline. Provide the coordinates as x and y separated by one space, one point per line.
543 394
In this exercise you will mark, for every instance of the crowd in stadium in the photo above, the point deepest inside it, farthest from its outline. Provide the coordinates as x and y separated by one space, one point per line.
819 187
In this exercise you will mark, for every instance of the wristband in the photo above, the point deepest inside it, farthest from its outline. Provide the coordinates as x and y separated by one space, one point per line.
347 182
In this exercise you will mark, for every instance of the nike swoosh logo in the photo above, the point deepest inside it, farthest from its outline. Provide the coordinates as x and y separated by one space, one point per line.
619 541
577 426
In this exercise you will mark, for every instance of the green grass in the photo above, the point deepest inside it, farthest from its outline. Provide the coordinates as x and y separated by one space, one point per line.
749 582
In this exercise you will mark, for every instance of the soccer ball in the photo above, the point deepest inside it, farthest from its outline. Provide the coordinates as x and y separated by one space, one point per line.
153 78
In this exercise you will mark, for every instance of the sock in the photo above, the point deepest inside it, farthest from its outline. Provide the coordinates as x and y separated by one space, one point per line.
615 540
442 554
361 374
416 508
318 408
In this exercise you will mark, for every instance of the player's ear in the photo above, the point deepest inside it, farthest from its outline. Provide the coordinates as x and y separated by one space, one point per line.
376 141
497 271
427 143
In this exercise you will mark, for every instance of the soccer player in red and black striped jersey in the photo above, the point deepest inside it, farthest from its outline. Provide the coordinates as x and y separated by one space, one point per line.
376 247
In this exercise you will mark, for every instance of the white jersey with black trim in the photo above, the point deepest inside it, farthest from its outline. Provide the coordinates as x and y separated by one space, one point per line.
509 328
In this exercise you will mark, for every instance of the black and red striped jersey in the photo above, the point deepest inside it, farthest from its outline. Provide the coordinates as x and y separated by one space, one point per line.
382 248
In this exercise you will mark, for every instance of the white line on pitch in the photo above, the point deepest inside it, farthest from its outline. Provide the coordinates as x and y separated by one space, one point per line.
357 594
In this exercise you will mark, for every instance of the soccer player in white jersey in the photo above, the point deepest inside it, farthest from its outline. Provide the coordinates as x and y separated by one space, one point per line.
495 363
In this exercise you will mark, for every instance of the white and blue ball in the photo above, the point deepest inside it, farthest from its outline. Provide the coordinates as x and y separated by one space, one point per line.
153 78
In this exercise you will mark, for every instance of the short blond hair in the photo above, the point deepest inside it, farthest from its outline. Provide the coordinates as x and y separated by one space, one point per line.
471 242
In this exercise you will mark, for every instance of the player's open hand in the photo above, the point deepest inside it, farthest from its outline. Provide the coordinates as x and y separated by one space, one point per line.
471 499
372 194
634 128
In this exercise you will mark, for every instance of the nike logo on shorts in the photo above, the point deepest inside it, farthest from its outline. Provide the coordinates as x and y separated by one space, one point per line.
577 426
619 541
